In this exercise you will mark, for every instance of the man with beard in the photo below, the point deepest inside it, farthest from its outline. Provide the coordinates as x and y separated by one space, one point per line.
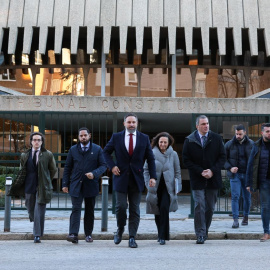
258 175
204 156
131 148
84 165
237 152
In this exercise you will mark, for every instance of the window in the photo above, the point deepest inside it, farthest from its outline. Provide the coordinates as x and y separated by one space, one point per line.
130 77
8 75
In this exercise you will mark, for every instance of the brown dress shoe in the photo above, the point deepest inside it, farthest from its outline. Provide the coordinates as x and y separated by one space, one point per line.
265 237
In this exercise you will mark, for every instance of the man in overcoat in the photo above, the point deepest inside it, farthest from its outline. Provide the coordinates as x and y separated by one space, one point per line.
204 156
40 170
84 165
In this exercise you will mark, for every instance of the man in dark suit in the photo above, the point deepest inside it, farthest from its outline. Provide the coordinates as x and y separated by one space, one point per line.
84 165
204 156
131 149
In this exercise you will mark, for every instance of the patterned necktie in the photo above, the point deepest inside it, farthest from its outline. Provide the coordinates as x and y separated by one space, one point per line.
84 148
35 158
203 140
130 147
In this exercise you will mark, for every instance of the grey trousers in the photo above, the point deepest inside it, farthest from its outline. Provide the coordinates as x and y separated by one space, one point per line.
36 213
205 201
134 199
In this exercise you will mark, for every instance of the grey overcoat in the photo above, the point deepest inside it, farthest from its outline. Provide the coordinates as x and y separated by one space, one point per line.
167 164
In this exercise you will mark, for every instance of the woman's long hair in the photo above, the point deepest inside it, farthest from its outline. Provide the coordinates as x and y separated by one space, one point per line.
159 135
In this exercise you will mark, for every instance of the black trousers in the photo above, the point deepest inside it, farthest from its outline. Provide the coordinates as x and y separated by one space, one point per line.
75 217
134 198
162 220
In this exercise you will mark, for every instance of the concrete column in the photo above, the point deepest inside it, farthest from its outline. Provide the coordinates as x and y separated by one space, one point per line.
173 76
247 77
112 82
139 78
34 73
193 72
103 72
85 75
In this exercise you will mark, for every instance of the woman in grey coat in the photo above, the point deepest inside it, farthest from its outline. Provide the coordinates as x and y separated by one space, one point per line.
162 198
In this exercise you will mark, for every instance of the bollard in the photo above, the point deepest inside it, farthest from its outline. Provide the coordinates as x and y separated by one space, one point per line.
105 191
7 205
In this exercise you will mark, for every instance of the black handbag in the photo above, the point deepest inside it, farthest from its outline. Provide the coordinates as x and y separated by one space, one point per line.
17 187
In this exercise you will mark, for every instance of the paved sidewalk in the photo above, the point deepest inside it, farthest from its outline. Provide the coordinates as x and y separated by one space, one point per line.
181 226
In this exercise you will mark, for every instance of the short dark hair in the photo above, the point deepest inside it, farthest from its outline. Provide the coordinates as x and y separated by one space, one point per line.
162 134
84 128
239 127
265 125
199 118
130 114
39 134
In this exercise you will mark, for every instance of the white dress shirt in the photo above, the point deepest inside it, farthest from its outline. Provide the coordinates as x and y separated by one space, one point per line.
127 138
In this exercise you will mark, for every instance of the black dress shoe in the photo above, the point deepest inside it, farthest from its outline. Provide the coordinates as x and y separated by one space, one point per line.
72 238
132 243
162 242
118 236
158 240
205 238
37 239
200 240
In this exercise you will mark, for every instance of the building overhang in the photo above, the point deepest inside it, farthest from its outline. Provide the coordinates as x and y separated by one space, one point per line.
205 25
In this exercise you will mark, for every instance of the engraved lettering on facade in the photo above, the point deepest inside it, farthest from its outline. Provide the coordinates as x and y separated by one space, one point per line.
234 106
221 106
139 104
37 102
59 102
116 104
151 104
180 105
48 104
105 104
192 105
169 105
71 104
210 106
81 106
127 106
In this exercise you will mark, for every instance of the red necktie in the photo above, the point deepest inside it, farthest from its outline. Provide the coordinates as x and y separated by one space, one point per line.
130 147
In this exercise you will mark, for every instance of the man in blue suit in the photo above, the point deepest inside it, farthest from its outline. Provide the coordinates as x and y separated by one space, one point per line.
131 149
84 165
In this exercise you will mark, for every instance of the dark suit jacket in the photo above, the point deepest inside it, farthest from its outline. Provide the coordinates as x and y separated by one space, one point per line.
127 164
79 163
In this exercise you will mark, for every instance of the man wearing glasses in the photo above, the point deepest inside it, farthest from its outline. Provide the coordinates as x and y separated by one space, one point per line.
40 170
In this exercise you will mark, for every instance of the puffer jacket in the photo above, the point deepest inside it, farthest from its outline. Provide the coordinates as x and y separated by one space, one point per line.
232 154
253 169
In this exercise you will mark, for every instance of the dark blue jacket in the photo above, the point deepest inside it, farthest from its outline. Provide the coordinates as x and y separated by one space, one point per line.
254 174
79 163
127 164
232 154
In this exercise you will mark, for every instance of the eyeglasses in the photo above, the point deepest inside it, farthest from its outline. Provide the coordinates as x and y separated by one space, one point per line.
36 140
